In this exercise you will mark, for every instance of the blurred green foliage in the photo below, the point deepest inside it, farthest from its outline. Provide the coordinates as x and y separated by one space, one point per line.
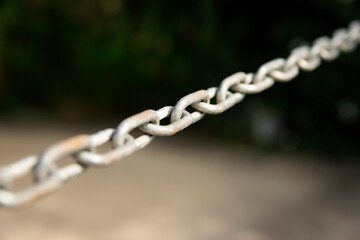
114 58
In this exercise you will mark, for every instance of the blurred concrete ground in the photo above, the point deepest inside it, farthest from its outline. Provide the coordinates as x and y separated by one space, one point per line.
187 188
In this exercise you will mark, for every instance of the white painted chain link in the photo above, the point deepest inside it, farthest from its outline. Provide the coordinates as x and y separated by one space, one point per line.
49 176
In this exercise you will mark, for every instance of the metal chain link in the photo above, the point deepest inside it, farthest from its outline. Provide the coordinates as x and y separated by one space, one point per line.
48 176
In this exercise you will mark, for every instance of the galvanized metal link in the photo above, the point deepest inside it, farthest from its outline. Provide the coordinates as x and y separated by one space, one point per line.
49 176
251 87
224 98
46 167
186 101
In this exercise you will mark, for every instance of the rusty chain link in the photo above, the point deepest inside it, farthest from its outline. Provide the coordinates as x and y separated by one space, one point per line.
49 177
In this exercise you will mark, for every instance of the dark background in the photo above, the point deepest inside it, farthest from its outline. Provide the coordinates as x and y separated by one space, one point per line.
108 59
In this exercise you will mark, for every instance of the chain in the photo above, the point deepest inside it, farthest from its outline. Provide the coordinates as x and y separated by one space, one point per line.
48 176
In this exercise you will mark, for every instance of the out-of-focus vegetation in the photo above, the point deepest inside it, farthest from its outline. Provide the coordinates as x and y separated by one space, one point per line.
114 58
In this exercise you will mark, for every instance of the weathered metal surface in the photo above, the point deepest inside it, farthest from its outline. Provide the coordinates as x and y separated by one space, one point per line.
82 149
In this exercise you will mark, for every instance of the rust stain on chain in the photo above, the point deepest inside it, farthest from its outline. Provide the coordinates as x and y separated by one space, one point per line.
76 142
